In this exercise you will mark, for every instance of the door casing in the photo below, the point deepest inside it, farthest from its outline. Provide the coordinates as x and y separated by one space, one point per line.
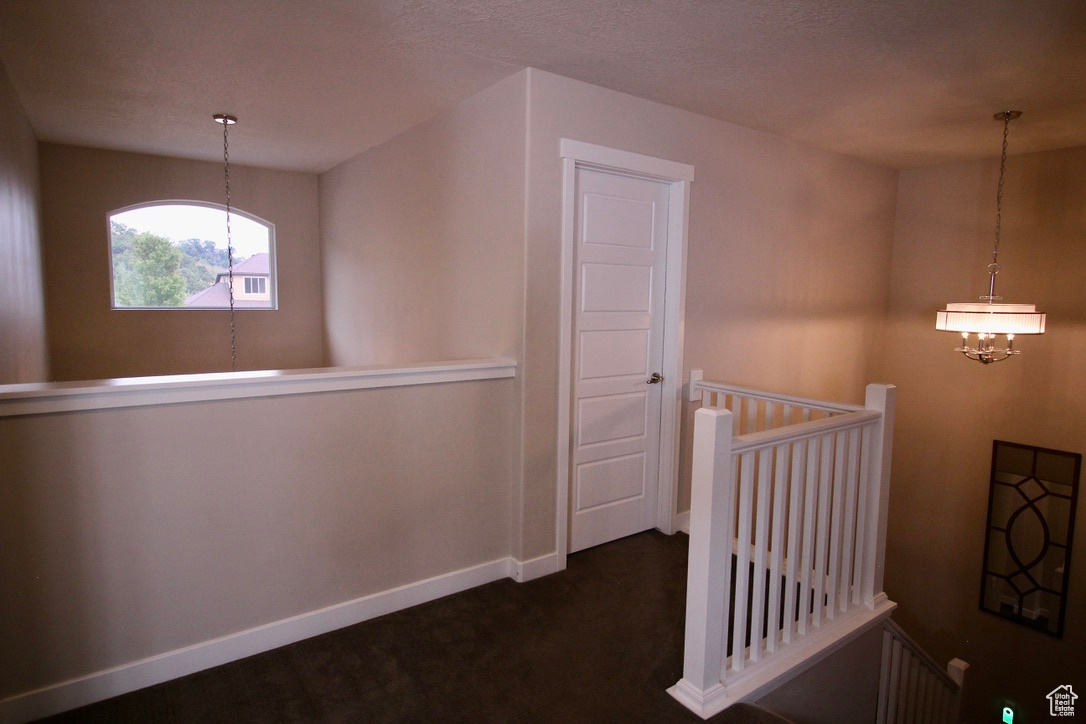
678 177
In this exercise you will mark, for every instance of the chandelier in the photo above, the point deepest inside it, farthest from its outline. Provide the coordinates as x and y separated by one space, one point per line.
988 320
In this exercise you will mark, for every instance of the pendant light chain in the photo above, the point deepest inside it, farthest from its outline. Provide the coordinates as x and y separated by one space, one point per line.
999 192
226 122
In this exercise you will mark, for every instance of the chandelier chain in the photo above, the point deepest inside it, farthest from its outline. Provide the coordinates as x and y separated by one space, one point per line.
229 247
999 190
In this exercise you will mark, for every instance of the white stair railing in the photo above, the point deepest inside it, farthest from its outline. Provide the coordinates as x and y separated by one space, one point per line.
912 686
788 500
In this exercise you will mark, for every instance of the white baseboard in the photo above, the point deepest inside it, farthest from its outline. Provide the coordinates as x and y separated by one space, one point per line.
522 571
682 522
181 662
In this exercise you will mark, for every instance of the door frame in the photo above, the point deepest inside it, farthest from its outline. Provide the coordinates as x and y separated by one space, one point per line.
678 177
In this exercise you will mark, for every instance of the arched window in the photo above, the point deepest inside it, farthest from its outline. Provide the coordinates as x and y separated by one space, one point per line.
172 255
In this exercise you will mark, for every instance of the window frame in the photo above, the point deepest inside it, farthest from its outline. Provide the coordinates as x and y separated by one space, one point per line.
273 275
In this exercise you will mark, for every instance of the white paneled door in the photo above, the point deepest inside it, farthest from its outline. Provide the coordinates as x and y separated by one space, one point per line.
621 228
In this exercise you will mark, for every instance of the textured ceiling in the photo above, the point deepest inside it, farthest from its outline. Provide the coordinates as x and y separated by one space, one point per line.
900 82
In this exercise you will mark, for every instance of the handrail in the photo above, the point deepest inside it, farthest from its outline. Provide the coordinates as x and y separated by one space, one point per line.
803 430
774 397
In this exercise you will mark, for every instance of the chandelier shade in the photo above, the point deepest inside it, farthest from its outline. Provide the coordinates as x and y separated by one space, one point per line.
977 318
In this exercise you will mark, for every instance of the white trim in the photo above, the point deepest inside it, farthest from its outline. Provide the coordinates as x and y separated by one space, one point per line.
682 522
523 571
565 358
678 176
674 318
641 165
693 392
48 397
100 685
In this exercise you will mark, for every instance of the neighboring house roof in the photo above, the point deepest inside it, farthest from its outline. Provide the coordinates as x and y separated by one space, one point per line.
218 295
255 266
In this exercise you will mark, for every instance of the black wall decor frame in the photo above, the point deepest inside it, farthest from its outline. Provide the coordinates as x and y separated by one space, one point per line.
1027 545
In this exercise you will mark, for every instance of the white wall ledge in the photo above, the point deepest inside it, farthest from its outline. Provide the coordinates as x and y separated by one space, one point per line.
40 398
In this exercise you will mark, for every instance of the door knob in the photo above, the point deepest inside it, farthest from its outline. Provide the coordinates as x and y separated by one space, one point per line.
656 378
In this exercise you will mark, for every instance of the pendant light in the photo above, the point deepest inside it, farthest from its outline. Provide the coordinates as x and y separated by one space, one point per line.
987 319
227 120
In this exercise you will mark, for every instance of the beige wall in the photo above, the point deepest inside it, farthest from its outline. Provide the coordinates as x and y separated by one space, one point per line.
128 533
425 256
423 246
423 237
788 260
88 340
950 409
23 355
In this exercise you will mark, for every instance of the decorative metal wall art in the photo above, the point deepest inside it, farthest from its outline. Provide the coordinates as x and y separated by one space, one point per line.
1031 522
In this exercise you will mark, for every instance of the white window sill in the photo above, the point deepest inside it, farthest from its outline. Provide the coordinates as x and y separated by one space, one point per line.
46 397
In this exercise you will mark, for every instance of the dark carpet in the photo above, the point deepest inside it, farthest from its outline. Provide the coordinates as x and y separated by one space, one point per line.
598 642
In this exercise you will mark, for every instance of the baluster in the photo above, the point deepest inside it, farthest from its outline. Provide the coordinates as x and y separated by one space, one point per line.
761 544
777 520
903 685
809 520
859 591
914 689
824 484
897 654
929 696
836 524
742 562
922 682
849 537
795 530
884 677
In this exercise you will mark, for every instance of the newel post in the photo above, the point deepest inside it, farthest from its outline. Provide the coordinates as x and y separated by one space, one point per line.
708 572
881 398
955 669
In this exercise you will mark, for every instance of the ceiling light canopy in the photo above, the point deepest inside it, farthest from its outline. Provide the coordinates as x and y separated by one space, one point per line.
988 319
